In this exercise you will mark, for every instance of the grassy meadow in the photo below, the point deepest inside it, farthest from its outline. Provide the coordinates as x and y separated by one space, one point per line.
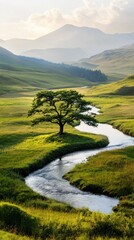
25 82
25 215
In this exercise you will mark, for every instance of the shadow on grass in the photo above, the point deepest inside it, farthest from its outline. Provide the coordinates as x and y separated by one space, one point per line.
69 137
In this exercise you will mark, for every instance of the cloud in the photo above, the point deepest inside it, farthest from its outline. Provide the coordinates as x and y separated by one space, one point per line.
48 19
111 16
92 14
100 14
124 21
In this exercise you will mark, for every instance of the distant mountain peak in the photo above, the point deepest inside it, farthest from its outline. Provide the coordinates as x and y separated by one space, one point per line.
72 27
68 26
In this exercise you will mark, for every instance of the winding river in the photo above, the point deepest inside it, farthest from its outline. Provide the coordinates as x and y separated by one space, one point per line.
48 181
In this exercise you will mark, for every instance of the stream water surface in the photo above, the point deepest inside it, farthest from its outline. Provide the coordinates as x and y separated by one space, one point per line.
48 181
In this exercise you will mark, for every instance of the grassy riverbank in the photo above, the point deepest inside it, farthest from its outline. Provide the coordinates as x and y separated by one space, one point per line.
110 173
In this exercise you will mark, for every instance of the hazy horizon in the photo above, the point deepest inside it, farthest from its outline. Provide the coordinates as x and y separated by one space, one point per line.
32 19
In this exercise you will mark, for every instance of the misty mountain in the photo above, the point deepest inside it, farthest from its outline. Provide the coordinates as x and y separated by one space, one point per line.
16 45
91 40
119 61
57 54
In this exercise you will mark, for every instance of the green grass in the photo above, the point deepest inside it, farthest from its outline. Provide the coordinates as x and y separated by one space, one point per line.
51 224
16 219
20 82
110 173
33 153
12 236
111 88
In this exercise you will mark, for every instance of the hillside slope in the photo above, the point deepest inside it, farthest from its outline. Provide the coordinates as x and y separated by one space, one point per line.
19 73
123 87
120 61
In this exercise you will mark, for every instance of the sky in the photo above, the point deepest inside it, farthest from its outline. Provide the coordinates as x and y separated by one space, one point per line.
31 19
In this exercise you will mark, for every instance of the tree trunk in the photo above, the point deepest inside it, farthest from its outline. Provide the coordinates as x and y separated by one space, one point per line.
61 128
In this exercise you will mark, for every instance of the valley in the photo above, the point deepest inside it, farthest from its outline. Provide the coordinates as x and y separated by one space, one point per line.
22 74
24 149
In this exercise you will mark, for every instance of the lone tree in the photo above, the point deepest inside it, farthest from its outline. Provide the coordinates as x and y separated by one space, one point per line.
61 107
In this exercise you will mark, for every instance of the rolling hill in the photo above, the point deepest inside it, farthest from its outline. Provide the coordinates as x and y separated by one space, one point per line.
123 87
112 62
73 37
19 74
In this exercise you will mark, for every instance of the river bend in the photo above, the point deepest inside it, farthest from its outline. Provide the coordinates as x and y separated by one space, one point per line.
48 181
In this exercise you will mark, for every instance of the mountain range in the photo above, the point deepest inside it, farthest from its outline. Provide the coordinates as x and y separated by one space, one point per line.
80 42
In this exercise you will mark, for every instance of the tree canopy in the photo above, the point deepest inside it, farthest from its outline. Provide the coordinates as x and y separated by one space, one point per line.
61 107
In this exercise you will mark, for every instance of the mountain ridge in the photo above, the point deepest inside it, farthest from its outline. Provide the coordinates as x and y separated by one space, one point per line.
70 36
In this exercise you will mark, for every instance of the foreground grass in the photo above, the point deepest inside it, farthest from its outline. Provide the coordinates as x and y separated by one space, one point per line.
54 225
10 236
